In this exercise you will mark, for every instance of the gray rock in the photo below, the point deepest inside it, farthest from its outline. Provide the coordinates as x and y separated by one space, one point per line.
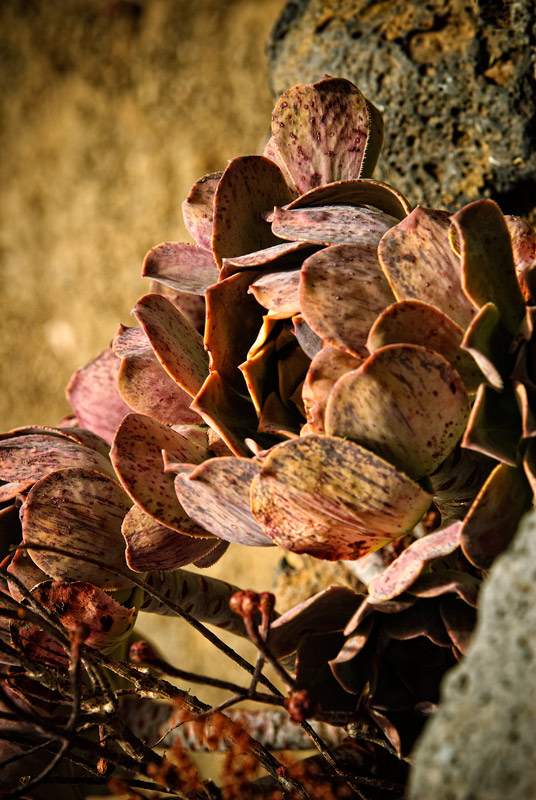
481 744
454 79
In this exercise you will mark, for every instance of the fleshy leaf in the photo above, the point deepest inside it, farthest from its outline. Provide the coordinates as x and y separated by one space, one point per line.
29 458
328 365
327 611
404 570
151 545
457 481
359 193
523 237
278 292
183 267
337 224
493 519
420 264
309 341
271 151
198 209
405 403
494 425
93 395
333 499
26 571
177 344
229 413
489 273
81 511
137 457
282 256
76 603
233 320
414 322
488 342
342 291
250 186
447 581
217 495
423 619
322 131
459 620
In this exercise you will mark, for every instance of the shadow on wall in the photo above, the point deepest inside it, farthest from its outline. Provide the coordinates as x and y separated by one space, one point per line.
111 109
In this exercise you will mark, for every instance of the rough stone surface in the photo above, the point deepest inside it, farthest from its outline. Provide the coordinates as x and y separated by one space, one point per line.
480 745
454 79
110 110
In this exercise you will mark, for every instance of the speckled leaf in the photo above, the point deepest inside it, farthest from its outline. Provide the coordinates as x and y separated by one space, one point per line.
489 274
459 620
359 193
333 499
137 458
233 321
93 395
423 619
488 341
177 344
26 571
284 255
198 209
249 186
337 224
279 419
81 511
327 611
326 368
151 545
217 495
148 389
322 131
183 267
231 415
205 598
523 238
492 521
191 306
271 151
342 291
31 457
309 341
213 556
420 264
405 403
404 570
278 292
494 425
414 322
458 479
76 603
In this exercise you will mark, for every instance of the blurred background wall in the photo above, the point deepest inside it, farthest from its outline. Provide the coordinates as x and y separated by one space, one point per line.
110 110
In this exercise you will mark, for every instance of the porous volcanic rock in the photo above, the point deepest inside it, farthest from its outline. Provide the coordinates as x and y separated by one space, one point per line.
454 79
480 744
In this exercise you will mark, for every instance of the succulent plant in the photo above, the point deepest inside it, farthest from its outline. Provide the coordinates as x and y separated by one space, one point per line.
326 369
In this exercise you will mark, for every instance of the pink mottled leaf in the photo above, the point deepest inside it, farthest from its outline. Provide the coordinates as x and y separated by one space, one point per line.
151 545
342 291
198 209
309 341
278 292
420 264
405 403
177 344
31 457
325 369
81 511
250 186
26 571
271 151
322 131
523 238
333 499
359 193
276 258
217 495
336 224
137 457
414 322
447 581
183 267
404 570
93 395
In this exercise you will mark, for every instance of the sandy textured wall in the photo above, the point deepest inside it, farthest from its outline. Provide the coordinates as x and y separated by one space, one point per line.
110 110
